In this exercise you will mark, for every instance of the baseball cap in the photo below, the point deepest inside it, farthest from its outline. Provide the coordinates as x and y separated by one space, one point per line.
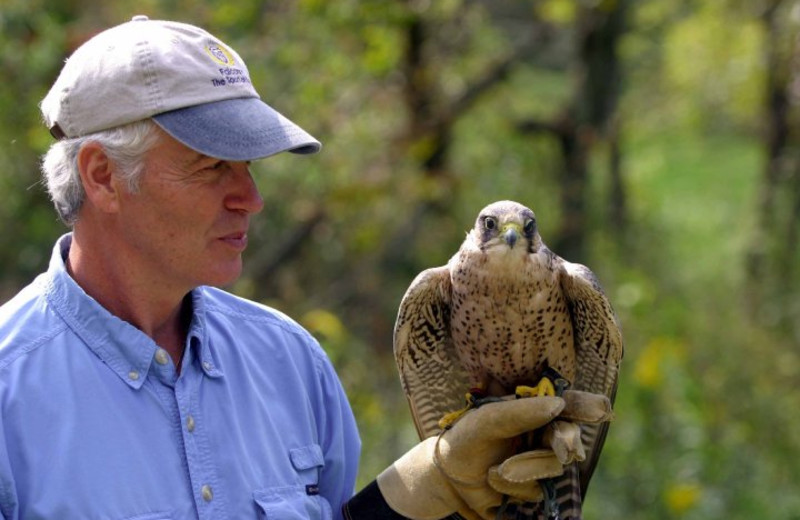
193 85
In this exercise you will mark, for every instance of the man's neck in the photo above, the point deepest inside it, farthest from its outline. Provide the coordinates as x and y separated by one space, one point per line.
162 313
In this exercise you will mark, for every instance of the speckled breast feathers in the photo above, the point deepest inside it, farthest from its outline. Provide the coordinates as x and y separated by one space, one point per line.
502 309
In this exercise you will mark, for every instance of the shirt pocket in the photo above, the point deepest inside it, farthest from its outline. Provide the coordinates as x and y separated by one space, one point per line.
302 500
291 503
150 516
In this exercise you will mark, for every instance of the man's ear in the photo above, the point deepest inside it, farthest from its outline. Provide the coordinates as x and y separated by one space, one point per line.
96 171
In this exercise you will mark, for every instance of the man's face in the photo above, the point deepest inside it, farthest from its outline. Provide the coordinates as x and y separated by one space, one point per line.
187 224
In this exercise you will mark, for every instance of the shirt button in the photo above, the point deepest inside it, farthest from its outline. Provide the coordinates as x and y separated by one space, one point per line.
161 356
133 375
190 424
206 492
207 365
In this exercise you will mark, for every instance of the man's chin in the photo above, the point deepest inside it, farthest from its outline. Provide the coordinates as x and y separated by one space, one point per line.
225 277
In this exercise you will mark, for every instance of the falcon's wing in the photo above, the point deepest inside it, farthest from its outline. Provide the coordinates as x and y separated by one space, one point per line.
432 376
598 345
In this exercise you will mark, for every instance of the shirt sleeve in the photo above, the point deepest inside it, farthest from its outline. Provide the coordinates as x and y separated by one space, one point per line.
339 439
8 501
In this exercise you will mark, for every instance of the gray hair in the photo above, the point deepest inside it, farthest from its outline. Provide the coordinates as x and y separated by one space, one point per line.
124 145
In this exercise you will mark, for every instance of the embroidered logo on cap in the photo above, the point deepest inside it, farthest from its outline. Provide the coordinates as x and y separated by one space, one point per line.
220 54
229 71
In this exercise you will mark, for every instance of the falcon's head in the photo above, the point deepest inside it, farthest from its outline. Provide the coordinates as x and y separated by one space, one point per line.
507 224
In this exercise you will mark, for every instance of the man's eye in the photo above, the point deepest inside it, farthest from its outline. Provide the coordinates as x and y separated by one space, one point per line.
214 167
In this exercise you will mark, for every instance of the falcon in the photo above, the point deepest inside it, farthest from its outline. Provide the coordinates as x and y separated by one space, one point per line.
507 313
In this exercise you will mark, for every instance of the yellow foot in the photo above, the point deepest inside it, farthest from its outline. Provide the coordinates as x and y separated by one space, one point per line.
450 418
545 387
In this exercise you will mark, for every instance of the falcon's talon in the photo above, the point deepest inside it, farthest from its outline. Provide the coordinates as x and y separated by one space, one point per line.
561 385
544 388
560 382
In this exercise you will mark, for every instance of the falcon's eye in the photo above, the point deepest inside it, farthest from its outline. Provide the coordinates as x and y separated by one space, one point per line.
490 223
530 225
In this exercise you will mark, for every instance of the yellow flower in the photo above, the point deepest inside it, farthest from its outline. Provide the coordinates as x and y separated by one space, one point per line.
682 497
326 323
648 371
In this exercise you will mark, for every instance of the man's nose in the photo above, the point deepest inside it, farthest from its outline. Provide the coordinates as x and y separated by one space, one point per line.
244 195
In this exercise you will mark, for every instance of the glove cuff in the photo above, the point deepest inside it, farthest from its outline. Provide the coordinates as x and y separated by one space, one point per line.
370 504
414 487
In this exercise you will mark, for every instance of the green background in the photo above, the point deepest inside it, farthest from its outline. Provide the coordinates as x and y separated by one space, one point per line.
699 258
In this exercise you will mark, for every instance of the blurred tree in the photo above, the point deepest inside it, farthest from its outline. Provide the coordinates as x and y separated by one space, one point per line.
432 112
33 44
590 114
772 263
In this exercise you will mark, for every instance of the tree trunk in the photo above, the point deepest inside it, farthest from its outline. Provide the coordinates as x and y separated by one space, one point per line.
575 149
617 198
775 141
591 115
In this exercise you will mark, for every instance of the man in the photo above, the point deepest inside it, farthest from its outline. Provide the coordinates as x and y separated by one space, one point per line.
132 389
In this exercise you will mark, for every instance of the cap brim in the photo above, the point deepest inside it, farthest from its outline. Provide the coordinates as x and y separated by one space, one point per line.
240 129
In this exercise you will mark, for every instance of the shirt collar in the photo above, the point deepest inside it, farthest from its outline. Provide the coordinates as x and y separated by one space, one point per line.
125 349
198 345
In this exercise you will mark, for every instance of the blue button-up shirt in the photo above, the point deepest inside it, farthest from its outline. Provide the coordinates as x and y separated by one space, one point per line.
95 422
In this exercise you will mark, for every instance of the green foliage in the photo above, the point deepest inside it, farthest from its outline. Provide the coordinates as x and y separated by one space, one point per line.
705 423
27 224
714 59
563 12
702 417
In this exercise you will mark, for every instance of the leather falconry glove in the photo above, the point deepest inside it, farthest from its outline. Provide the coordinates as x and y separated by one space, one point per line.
468 468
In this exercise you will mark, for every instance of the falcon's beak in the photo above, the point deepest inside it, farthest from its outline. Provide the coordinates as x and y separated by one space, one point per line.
511 235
